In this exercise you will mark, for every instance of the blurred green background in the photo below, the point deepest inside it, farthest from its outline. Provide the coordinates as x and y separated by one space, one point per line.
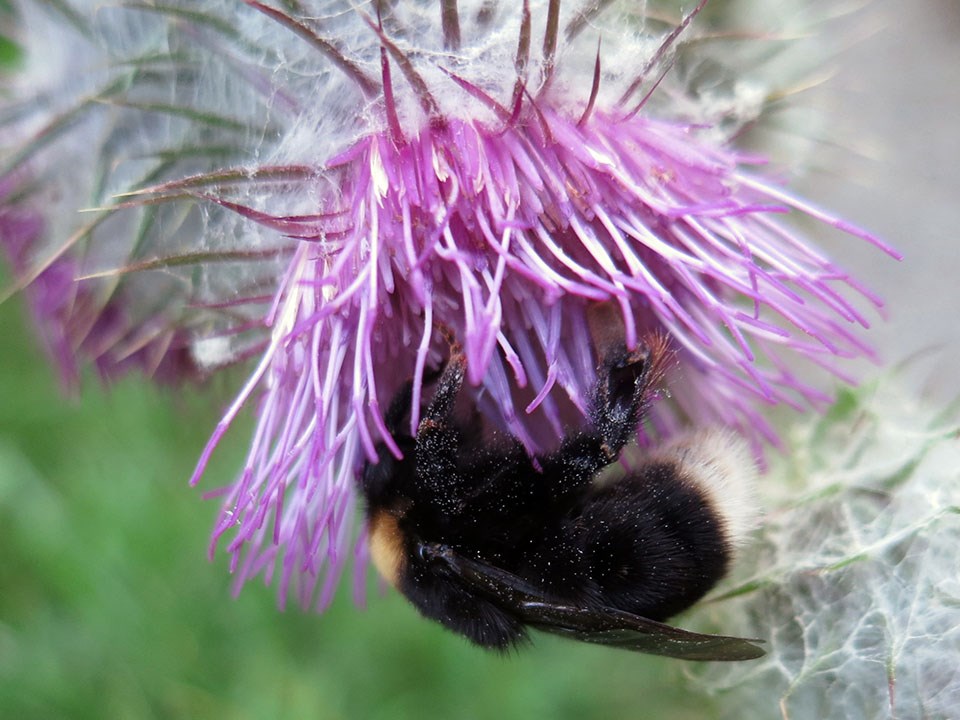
110 609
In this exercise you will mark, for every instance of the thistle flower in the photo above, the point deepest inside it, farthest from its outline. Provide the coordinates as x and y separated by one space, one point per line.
322 187
73 322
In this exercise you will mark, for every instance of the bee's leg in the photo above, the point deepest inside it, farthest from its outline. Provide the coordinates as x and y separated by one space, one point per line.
437 436
621 395
619 399
440 409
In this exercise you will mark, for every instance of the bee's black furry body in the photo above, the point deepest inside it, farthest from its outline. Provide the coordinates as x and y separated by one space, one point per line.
463 529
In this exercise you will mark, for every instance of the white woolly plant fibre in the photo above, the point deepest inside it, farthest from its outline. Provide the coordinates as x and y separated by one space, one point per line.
854 580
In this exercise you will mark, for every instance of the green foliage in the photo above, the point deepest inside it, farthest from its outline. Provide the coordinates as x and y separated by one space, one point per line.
109 608
853 579
9 50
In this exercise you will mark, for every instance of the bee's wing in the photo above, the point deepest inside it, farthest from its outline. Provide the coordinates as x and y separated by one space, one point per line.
605 626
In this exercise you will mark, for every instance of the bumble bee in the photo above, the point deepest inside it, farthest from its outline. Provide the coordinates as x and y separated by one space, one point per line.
490 542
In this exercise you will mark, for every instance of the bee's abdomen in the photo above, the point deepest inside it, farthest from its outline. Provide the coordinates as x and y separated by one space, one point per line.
654 542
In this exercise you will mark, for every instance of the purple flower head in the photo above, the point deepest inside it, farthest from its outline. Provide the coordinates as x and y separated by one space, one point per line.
74 321
496 173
